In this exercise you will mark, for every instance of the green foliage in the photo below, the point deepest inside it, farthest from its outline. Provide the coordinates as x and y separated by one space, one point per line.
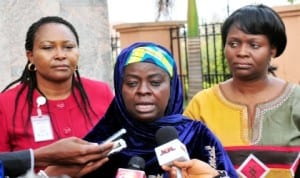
192 19
291 1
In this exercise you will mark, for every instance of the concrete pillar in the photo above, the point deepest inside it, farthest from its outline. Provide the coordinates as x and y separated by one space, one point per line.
89 17
288 63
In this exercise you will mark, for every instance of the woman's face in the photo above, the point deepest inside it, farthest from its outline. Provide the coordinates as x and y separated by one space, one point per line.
55 53
248 55
145 91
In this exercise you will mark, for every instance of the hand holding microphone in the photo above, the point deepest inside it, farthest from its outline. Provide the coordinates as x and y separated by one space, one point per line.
135 169
171 149
172 152
193 168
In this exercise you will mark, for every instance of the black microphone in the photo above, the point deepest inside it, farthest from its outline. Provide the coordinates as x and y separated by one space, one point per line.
135 169
136 163
170 149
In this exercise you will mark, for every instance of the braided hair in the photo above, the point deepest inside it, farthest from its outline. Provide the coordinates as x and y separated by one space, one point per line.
28 77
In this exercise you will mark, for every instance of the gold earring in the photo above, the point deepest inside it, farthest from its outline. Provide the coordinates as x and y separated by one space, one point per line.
31 67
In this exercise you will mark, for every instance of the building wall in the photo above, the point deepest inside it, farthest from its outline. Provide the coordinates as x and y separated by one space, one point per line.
89 17
289 62
157 32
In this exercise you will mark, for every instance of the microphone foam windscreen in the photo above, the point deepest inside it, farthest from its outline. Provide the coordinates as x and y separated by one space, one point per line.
136 163
165 134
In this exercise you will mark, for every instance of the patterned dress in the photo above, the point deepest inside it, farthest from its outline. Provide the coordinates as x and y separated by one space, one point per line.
268 148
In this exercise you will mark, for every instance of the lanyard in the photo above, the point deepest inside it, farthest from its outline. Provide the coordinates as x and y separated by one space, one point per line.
41 100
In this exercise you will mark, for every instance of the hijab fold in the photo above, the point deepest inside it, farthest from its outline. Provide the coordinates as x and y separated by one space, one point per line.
140 136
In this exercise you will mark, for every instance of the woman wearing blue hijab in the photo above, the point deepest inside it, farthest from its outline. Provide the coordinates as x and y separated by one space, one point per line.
148 96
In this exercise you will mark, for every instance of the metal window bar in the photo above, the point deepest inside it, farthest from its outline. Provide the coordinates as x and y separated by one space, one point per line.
214 66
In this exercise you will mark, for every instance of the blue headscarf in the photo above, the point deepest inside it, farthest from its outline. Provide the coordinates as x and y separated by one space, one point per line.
140 136
152 54
164 61
1 170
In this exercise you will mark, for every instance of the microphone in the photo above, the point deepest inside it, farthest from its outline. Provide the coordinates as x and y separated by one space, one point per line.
170 149
135 169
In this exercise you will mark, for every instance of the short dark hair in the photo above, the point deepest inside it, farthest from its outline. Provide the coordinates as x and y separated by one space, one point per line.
258 19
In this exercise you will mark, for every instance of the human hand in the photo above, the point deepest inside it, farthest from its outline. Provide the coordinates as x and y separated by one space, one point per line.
70 151
74 171
193 168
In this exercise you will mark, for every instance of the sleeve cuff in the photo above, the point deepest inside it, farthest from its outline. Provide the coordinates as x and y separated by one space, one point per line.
31 159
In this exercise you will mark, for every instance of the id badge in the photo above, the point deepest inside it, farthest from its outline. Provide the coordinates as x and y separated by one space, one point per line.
42 128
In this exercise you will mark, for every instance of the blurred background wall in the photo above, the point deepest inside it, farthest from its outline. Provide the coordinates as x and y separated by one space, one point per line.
288 63
89 17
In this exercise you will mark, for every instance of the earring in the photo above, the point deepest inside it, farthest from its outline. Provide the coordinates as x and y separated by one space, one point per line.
31 67
76 68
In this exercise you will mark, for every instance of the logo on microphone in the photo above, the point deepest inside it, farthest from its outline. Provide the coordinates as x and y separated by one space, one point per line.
171 151
167 150
130 173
